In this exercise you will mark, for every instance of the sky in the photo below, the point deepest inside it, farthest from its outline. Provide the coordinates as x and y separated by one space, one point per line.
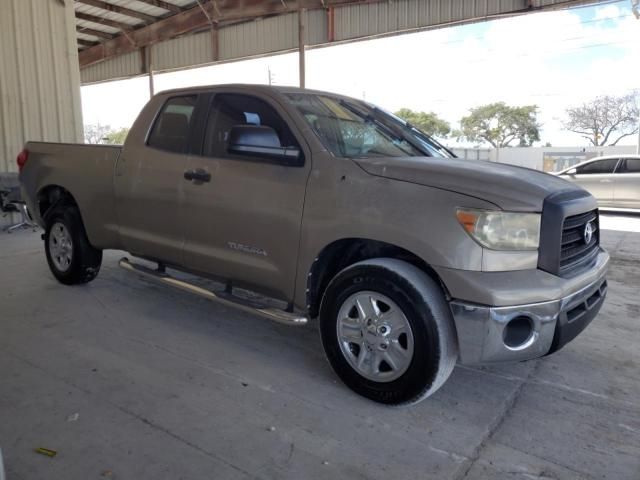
553 60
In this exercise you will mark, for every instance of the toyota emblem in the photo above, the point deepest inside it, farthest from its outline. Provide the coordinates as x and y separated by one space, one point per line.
588 233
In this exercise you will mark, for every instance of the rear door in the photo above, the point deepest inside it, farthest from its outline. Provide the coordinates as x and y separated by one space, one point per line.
627 183
243 216
150 186
597 178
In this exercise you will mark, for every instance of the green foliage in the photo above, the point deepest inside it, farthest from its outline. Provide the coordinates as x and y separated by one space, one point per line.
116 137
500 124
104 134
428 122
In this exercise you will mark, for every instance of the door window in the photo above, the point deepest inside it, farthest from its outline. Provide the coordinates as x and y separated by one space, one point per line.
229 110
171 129
599 166
630 165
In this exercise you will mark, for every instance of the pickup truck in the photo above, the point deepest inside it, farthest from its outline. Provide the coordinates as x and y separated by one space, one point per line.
412 260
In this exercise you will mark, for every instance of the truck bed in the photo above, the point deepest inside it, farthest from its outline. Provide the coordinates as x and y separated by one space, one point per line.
86 172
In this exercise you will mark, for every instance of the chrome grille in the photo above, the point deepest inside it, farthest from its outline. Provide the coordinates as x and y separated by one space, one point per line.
574 251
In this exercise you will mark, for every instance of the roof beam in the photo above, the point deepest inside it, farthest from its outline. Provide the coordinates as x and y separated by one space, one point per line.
103 21
220 12
86 43
165 5
95 33
118 9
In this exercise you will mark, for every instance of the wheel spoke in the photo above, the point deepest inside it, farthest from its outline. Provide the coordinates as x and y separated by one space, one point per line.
362 356
397 349
374 365
352 337
367 308
387 357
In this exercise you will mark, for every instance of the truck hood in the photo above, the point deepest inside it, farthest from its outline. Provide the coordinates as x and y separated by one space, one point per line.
507 186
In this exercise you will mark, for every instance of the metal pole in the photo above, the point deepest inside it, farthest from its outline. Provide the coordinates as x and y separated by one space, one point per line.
301 46
148 68
151 87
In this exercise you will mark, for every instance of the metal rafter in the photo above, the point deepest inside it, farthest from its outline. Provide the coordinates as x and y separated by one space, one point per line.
104 21
118 9
95 33
165 5
86 43
198 17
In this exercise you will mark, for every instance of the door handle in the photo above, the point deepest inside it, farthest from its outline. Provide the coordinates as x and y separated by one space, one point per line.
606 180
197 176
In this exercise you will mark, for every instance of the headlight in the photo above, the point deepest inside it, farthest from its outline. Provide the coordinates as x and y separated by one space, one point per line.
501 230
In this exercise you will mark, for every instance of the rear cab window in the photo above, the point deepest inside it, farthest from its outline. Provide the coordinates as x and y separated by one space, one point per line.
172 126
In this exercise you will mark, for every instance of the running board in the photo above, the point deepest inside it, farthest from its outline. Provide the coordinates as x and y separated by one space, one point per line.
270 313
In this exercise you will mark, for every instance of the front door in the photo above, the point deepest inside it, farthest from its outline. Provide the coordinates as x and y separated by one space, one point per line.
149 184
244 214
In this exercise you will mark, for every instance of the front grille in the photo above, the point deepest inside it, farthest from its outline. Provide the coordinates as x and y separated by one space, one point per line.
574 252
563 250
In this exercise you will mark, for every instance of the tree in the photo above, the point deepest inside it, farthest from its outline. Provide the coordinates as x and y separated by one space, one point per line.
116 137
500 124
428 122
605 120
95 133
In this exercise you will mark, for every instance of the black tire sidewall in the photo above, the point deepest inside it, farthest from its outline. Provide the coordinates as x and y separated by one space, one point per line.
425 363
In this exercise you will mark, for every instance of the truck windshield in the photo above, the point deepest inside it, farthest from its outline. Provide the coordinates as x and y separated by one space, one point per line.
354 129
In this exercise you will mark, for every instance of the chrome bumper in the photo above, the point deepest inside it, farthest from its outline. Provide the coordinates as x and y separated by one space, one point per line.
481 329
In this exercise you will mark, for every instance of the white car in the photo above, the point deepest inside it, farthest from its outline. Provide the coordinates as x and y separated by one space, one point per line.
614 180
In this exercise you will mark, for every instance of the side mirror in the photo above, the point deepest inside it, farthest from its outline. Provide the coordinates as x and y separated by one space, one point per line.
571 171
261 141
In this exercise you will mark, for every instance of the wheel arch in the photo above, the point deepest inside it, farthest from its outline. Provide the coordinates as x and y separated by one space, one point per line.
51 196
342 253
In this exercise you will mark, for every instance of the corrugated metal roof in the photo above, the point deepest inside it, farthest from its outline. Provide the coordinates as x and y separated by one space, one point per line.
355 21
279 32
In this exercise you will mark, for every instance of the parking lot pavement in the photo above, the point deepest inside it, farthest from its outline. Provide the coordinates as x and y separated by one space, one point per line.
168 386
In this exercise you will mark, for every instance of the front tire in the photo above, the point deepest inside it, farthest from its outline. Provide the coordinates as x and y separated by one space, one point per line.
71 258
387 331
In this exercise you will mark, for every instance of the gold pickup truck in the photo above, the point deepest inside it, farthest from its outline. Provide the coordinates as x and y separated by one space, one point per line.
411 259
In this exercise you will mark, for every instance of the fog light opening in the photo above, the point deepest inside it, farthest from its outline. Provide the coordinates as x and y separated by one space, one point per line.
518 332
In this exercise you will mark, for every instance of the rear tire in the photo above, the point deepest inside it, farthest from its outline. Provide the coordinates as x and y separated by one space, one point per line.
387 331
71 258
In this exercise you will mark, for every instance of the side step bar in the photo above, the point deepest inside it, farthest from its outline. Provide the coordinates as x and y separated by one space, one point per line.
270 313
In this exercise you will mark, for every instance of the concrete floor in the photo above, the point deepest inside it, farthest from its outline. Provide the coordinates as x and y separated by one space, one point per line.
170 386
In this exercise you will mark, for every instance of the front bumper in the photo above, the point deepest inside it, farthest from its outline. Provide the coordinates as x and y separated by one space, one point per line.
483 332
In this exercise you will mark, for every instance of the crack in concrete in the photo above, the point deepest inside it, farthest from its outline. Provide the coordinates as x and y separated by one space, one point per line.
560 386
496 424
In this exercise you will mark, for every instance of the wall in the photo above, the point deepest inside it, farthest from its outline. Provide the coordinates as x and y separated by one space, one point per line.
39 76
548 159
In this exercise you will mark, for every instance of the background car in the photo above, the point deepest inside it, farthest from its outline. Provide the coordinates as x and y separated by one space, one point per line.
613 180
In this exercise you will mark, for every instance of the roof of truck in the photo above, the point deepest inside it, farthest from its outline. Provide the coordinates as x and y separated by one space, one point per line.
247 86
